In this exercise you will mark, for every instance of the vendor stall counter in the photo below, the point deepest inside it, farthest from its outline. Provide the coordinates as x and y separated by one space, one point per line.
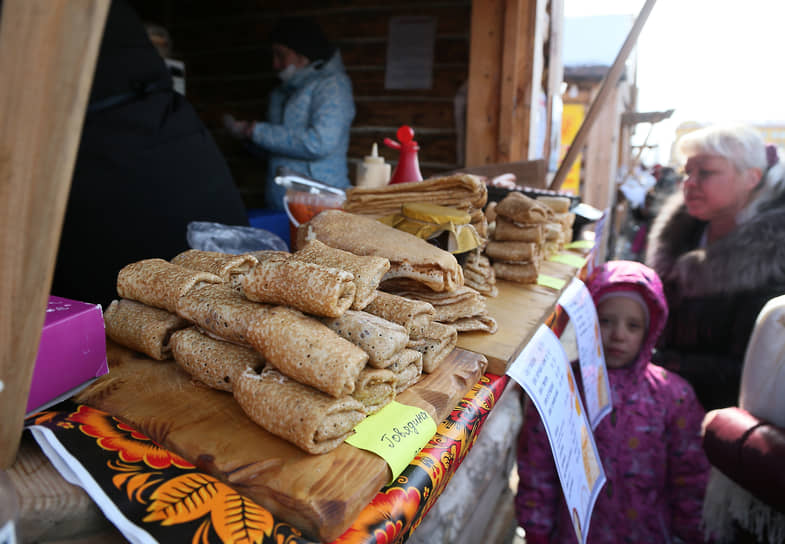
157 495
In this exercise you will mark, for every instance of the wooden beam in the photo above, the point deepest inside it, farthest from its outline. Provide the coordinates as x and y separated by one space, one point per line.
48 50
482 105
555 74
609 82
521 76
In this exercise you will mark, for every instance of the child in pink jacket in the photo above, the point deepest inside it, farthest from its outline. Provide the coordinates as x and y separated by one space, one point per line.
649 445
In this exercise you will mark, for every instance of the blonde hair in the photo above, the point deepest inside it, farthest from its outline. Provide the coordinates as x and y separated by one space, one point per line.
742 145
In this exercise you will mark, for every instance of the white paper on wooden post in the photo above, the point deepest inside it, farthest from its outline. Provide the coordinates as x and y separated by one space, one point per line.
410 46
544 372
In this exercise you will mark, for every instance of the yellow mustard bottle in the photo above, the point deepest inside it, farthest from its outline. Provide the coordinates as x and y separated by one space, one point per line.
373 171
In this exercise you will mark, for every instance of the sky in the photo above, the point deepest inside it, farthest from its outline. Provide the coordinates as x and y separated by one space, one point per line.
710 60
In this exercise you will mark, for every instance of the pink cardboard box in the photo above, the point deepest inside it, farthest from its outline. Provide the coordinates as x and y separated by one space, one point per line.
72 352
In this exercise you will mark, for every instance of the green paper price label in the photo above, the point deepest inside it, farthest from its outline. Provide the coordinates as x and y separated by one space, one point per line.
550 281
580 244
396 433
569 259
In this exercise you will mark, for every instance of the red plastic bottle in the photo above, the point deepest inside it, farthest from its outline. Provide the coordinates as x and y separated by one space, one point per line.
408 167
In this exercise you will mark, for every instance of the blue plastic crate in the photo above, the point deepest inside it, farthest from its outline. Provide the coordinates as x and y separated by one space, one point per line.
273 221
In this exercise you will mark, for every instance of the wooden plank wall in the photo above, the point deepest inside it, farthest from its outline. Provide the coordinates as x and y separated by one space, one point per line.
228 66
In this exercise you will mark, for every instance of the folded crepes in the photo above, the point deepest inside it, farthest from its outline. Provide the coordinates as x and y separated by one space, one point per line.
368 270
375 387
313 421
509 230
223 265
409 256
478 274
518 272
520 208
215 363
142 328
512 251
379 338
484 323
407 369
413 315
456 190
448 307
309 287
221 311
306 350
159 283
436 343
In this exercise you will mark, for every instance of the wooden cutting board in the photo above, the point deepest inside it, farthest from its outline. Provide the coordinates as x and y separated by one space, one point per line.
319 494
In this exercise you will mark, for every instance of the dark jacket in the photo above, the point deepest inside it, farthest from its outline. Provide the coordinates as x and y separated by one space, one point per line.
715 293
145 168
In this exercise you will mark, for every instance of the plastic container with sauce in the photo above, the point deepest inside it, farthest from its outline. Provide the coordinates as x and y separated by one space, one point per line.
305 198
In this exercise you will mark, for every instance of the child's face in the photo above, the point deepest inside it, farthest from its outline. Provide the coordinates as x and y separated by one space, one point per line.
623 328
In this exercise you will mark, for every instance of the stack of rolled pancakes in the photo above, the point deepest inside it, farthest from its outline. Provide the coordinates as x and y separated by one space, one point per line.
285 333
516 246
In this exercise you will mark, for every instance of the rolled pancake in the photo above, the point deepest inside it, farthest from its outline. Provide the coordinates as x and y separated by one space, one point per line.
436 344
559 204
375 387
379 338
518 207
223 265
368 270
215 363
265 254
553 232
413 315
512 251
509 230
484 323
407 369
306 350
159 283
142 328
518 272
566 220
221 311
409 256
309 287
309 419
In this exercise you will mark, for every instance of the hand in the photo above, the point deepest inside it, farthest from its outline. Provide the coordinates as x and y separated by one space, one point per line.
238 129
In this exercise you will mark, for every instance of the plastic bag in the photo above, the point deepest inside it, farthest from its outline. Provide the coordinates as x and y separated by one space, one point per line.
232 239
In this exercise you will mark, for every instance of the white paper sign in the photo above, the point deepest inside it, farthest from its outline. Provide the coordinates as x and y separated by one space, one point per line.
544 372
577 302
410 46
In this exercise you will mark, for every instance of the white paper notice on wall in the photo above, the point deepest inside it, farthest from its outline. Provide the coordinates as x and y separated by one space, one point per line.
544 372
410 45
577 302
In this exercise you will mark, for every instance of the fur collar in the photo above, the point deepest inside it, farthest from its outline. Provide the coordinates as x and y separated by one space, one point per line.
751 257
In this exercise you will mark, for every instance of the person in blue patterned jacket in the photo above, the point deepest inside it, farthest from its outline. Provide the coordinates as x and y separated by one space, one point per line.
309 113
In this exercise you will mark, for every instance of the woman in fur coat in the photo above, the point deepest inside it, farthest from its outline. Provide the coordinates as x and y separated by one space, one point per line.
719 247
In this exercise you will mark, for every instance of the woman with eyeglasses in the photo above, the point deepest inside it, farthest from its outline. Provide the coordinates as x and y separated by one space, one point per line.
719 247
